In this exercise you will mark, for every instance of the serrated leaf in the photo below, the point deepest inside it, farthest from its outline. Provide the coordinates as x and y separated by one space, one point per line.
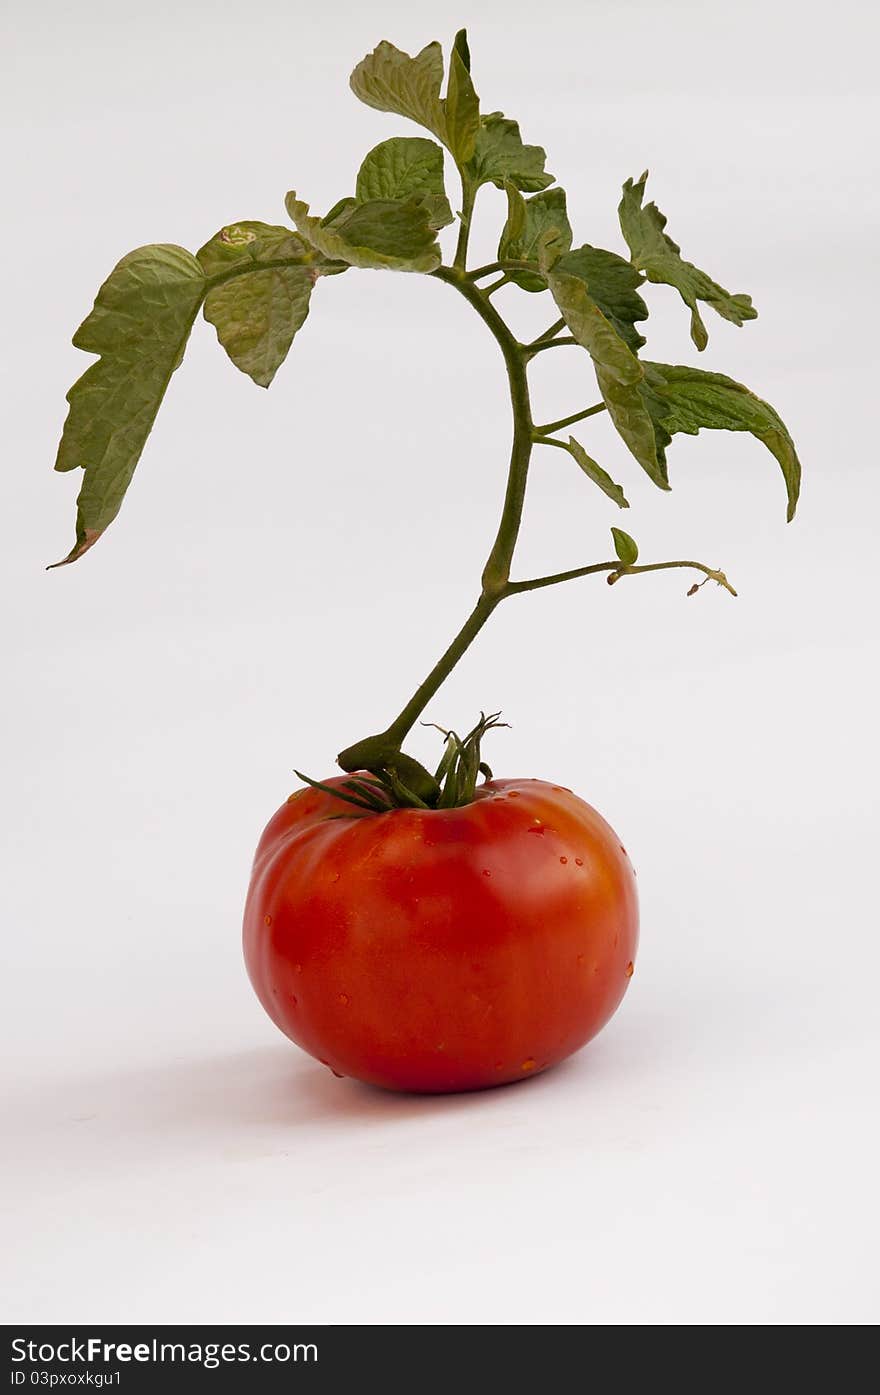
685 399
390 80
402 166
594 471
139 326
257 312
654 252
613 284
625 547
528 223
380 234
618 372
461 108
500 157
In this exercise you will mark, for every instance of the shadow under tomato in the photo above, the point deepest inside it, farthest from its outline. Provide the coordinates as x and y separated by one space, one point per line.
226 1100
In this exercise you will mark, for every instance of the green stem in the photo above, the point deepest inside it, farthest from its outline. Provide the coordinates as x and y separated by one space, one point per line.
375 750
496 285
556 326
407 719
497 569
616 570
543 344
568 421
492 267
384 751
468 199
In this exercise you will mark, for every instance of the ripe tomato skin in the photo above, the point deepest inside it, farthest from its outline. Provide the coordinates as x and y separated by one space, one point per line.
441 950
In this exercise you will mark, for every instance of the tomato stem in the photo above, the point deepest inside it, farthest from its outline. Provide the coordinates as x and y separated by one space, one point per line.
382 753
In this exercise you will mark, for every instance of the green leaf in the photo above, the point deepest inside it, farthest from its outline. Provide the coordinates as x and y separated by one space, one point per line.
379 234
500 157
251 244
687 399
528 223
599 476
625 547
618 372
402 166
654 252
257 312
461 47
390 80
462 105
613 284
139 326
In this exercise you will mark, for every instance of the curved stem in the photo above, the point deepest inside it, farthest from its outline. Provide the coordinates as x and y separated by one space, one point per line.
616 570
497 569
492 267
384 750
569 421
496 573
550 344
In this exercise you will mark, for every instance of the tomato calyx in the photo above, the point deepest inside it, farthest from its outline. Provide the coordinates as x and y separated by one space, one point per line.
395 780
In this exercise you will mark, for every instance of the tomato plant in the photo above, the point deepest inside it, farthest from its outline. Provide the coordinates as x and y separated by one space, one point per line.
423 929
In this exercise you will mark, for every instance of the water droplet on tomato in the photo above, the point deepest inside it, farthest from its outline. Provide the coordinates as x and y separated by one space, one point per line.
536 828
486 872
630 969
294 999
338 1074
563 860
580 959
498 1065
298 968
624 851
528 1064
336 879
344 999
267 920
579 862
513 794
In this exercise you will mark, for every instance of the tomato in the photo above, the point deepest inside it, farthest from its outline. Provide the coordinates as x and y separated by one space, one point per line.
439 950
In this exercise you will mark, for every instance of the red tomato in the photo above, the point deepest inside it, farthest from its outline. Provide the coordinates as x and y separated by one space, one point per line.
440 950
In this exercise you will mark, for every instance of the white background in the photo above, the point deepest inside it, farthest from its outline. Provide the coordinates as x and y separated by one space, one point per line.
285 569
